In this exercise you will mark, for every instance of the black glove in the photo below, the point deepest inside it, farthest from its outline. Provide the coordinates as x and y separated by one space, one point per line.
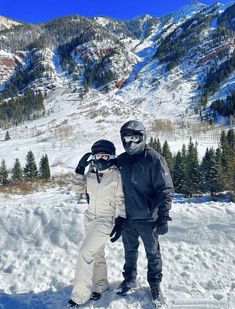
161 226
161 229
82 164
117 230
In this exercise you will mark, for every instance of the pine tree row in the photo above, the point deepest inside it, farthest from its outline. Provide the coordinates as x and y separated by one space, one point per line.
29 172
224 107
21 108
215 173
216 76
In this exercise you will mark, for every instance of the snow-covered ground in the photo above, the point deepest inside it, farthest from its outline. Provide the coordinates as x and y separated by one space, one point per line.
41 234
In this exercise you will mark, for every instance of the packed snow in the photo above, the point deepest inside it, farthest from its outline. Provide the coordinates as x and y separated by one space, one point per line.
41 234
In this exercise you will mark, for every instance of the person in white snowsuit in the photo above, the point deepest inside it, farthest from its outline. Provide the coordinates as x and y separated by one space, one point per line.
103 187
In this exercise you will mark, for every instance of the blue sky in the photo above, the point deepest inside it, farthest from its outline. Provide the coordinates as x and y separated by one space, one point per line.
42 10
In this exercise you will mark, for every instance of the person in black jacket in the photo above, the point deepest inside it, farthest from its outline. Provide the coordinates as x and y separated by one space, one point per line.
148 192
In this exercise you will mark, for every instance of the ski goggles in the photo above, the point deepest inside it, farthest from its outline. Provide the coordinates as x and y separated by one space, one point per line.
135 138
104 156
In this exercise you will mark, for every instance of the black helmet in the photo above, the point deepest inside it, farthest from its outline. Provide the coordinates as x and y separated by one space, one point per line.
103 146
133 127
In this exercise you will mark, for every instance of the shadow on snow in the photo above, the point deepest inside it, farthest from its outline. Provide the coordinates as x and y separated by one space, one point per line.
50 299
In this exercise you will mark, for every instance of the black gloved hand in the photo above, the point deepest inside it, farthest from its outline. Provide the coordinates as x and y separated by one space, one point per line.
117 230
161 226
82 164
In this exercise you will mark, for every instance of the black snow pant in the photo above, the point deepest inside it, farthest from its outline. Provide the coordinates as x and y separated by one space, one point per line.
131 232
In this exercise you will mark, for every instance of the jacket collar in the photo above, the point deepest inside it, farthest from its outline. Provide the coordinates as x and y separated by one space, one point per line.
108 170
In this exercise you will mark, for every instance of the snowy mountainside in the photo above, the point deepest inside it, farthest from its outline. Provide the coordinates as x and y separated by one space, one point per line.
46 228
162 61
75 41
6 23
188 10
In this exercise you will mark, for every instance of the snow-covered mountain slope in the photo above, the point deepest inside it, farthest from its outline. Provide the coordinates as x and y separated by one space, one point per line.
6 23
41 234
189 10
160 64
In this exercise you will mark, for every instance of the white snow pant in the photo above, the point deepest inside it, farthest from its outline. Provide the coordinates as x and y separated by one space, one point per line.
91 264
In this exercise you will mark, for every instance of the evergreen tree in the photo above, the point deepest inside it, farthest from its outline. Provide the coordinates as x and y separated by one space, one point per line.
184 153
231 142
17 172
44 169
155 144
179 174
152 142
211 169
30 169
227 157
192 170
224 146
216 173
231 139
205 167
158 146
3 172
166 153
7 136
233 179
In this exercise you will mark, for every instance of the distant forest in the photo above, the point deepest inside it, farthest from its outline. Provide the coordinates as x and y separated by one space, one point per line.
215 173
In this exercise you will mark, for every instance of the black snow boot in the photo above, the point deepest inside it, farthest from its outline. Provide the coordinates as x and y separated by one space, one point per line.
72 304
125 287
95 296
157 296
